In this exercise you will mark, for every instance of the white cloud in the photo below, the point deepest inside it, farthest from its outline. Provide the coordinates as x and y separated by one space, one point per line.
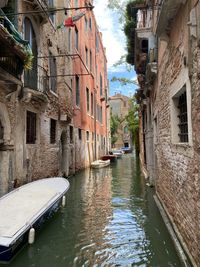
113 37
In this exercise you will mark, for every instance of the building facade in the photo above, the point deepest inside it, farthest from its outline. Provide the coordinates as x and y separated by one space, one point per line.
120 106
38 114
166 62
91 122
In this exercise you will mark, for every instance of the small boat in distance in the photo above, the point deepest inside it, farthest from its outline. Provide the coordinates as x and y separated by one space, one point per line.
26 208
127 150
100 163
118 153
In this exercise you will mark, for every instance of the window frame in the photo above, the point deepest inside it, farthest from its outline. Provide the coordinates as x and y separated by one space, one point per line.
181 83
53 128
31 127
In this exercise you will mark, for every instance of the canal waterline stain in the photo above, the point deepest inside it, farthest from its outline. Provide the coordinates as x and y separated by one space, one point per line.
110 219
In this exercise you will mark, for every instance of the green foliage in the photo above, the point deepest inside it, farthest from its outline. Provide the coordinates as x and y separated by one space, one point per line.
114 124
123 81
133 122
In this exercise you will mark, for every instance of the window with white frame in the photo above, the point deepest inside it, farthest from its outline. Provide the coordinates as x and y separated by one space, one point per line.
180 117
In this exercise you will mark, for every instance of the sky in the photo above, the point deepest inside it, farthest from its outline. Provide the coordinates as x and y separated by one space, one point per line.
114 41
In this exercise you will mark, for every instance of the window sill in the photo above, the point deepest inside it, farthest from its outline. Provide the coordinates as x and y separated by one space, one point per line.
183 148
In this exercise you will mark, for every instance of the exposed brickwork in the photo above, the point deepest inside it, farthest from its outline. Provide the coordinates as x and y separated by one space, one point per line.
177 164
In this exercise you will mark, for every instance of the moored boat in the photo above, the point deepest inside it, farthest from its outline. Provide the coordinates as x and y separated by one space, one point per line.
25 209
100 163
117 153
127 150
112 158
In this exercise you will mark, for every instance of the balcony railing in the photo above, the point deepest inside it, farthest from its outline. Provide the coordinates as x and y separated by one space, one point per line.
36 79
12 64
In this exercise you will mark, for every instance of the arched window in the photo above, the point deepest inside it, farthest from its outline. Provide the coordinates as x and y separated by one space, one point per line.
30 77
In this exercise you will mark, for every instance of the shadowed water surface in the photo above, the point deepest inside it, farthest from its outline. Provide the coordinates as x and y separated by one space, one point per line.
110 220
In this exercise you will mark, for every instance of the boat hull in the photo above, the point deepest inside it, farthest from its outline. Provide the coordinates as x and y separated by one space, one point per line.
100 164
112 158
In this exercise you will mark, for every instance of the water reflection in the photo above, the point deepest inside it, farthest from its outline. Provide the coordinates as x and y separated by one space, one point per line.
110 220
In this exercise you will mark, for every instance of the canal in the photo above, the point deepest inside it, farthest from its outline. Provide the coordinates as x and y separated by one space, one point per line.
110 220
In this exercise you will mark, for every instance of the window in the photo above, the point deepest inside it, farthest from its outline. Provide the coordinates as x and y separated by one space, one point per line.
87 136
101 115
126 129
53 72
76 38
52 131
71 134
90 60
79 134
183 121
88 99
75 3
31 76
90 23
86 24
30 127
77 90
92 104
51 14
86 56
179 113
97 42
69 39
10 8
101 85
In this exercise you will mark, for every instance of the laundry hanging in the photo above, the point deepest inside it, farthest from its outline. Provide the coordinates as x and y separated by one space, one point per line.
69 22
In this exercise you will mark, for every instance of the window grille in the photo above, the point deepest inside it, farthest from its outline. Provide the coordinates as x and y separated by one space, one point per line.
52 131
31 128
183 121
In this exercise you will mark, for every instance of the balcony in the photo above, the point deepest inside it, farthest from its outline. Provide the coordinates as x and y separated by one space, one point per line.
13 54
36 84
152 66
168 10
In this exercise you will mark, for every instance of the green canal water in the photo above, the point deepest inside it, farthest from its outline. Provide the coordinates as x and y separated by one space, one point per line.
110 220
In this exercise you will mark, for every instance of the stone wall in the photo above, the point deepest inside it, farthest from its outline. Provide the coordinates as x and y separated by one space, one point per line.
177 181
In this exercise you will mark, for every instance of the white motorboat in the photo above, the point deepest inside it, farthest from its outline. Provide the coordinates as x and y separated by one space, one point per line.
100 163
24 209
